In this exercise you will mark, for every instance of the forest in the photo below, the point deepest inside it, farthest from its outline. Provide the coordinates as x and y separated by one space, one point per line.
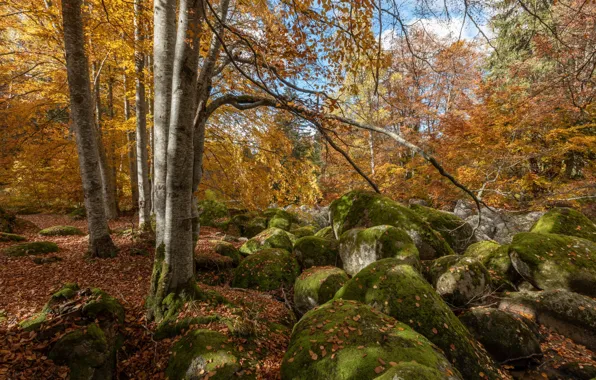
298 189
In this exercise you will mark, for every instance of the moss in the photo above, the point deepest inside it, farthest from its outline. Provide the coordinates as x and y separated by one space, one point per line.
456 232
505 336
34 323
171 328
482 250
5 237
267 269
350 340
202 352
304 231
68 291
496 260
61 231
400 291
279 222
7 221
32 248
211 212
102 303
551 261
460 281
270 238
78 213
315 251
566 221
366 209
228 250
317 285
255 226
326 233
360 247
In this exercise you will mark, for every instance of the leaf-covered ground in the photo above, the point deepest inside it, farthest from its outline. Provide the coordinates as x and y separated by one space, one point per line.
25 287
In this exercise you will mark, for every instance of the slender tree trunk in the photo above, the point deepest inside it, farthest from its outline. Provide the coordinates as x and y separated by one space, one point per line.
112 155
132 148
164 40
371 147
175 272
106 176
142 156
81 104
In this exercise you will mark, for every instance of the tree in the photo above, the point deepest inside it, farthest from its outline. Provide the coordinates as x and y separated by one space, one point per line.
100 242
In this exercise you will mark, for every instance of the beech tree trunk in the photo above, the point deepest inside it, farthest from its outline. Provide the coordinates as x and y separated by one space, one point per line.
112 155
81 104
132 151
140 106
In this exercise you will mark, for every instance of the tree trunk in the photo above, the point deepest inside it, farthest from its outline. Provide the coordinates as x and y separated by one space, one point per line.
164 40
112 155
174 267
132 155
106 176
81 104
140 106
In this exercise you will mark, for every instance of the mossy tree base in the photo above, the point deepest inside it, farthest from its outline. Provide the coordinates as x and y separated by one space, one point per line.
103 248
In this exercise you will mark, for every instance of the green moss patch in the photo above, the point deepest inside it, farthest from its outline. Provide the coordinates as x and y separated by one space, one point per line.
315 251
32 248
460 281
401 292
317 285
270 238
5 237
61 231
211 212
349 340
227 249
566 221
452 228
304 231
267 269
326 232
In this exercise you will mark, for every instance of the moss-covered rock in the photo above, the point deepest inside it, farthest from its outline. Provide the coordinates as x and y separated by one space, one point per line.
102 304
267 269
505 336
570 314
366 209
349 340
460 281
5 237
496 260
66 292
34 323
203 353
32 248
566 221
61 231
326 232
360 247
227 249
482 250
313 251
270 238
458 233
317 285
552 261
211 212
304 231
78 213
401 292
7 221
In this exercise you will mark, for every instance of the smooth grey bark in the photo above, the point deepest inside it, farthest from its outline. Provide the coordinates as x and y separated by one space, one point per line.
164 40
112 155
141 125
109 189
81 104
132 151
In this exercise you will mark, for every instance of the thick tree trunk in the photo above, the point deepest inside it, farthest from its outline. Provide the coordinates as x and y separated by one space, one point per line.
81 104
109 190
132 151
142 156
164 40
175 272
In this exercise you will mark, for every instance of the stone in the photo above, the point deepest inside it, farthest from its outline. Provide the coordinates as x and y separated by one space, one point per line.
268 269
270 238
458 234
566 221
317 285
316 251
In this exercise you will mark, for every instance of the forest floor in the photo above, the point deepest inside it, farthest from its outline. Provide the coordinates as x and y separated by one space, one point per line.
25 287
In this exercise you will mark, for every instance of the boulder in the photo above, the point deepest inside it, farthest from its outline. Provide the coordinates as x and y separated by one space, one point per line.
249 224
496 260
505 336
227 249
570 314
566 221
458 234
32 248
203 353
61 231
268 269
211 212
326 232
502 225
316 216
6 237
460 281
551 261
7 221
360 247
349 340
315 251
367 209
279 218
270 238
400 291
317 285
304 231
